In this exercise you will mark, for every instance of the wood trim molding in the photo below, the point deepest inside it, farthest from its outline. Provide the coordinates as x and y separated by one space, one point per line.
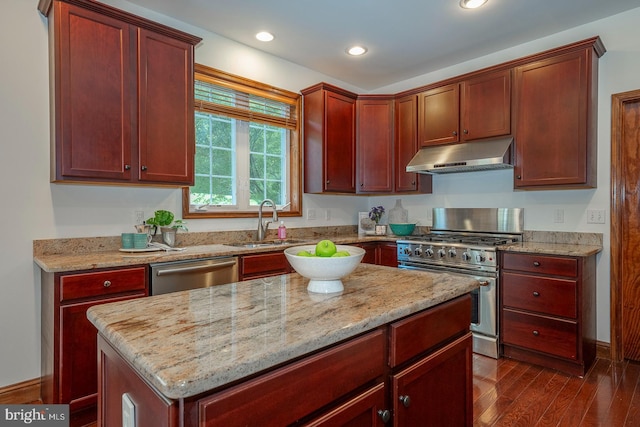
603 350
617 211
21 393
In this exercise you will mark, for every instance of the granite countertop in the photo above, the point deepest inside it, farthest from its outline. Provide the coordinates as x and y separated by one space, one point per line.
189 342
61 255
83 259
553 248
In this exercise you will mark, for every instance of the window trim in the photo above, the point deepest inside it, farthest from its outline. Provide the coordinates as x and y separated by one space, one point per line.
221 78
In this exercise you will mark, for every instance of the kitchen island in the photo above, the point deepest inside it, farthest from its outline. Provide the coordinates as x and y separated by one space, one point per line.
267 352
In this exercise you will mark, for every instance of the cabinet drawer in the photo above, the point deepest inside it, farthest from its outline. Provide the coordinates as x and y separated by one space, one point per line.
100 283
263 264
541 264
548 295
539 333
294 391
420 332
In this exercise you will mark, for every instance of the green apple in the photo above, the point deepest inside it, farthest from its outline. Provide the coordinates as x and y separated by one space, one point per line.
341 253
304 253
326 248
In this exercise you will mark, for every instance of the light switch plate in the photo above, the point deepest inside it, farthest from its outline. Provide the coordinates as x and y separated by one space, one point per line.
128 411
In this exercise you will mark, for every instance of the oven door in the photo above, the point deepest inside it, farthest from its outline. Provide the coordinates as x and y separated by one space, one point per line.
484 306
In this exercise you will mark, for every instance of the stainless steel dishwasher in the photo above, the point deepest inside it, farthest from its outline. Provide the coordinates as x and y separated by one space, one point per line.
176 276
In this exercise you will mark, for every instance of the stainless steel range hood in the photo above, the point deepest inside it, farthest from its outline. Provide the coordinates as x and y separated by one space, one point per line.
465 157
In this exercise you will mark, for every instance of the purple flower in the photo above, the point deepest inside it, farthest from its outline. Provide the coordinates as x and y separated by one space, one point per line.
376 213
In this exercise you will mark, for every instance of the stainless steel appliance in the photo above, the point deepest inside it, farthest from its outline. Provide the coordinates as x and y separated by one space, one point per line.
191 274
464 241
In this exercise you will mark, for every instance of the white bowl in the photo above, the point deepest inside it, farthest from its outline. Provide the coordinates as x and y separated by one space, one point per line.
324 273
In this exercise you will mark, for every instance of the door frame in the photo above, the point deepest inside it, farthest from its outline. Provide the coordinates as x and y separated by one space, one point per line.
618 101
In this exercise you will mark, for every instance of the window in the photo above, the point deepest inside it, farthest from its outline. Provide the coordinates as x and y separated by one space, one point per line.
247 147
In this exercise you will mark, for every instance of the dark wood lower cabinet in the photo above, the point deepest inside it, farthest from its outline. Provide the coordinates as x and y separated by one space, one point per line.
380 253
353 383
264 265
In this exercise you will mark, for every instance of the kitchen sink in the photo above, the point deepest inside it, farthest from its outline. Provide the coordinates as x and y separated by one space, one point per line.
266 243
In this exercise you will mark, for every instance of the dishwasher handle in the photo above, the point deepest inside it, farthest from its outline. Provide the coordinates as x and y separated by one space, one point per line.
193 268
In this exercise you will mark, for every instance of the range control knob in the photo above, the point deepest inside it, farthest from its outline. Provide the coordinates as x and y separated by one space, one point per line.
442 253
407 251
466 256
418 251
481 257
452 253
429 252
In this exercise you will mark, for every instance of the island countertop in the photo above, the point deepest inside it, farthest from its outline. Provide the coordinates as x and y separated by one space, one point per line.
190 342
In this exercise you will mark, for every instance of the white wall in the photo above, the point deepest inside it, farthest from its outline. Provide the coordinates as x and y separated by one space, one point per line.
32 208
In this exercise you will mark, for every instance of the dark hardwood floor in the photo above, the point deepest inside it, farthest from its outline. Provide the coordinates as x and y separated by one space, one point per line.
510 393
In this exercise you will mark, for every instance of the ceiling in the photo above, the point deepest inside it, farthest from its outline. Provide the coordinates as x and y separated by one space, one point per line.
405 38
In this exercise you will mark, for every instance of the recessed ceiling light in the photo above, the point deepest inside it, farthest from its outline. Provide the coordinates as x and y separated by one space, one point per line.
471 4
264 36
357 50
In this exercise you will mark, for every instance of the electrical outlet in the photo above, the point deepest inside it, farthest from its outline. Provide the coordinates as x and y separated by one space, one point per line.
595 216
138 217
311 214
558 215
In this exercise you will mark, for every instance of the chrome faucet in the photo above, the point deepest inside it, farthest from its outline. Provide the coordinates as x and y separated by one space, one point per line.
262 227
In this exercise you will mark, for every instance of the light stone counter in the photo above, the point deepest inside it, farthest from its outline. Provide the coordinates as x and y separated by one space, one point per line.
553 248
190 342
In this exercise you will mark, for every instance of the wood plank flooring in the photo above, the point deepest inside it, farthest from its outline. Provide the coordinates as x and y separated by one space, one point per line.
510 393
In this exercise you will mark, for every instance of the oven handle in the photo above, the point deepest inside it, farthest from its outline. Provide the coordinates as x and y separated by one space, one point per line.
483 273
484 282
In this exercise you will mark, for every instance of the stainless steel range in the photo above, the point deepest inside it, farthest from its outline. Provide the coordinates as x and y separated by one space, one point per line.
464 241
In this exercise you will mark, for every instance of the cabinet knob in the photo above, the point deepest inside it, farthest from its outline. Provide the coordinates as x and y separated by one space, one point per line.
536 263
413 183
536 293
327 182
406 401
518 177
127 167
144 168
106 283
385 415
361 184
536 333
455 132
465 131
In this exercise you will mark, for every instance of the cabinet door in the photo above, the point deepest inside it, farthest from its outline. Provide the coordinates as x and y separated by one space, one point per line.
438 115
165 119
406 146
93 76
339 149
78 354
364 410
387 254
375 145
552 99
437 390
486 106
370 252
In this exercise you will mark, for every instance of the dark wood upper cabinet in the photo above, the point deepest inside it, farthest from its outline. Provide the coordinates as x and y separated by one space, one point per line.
122 96
476 108
439 115
374 144
555 100
406 146
486 105
329 139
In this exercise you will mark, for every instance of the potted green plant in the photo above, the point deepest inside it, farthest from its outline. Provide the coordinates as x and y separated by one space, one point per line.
168 226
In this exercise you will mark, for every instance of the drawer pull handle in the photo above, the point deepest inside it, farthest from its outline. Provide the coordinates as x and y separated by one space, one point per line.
385 415
106 283
484 283
536 333
406 401
536 293
536 263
